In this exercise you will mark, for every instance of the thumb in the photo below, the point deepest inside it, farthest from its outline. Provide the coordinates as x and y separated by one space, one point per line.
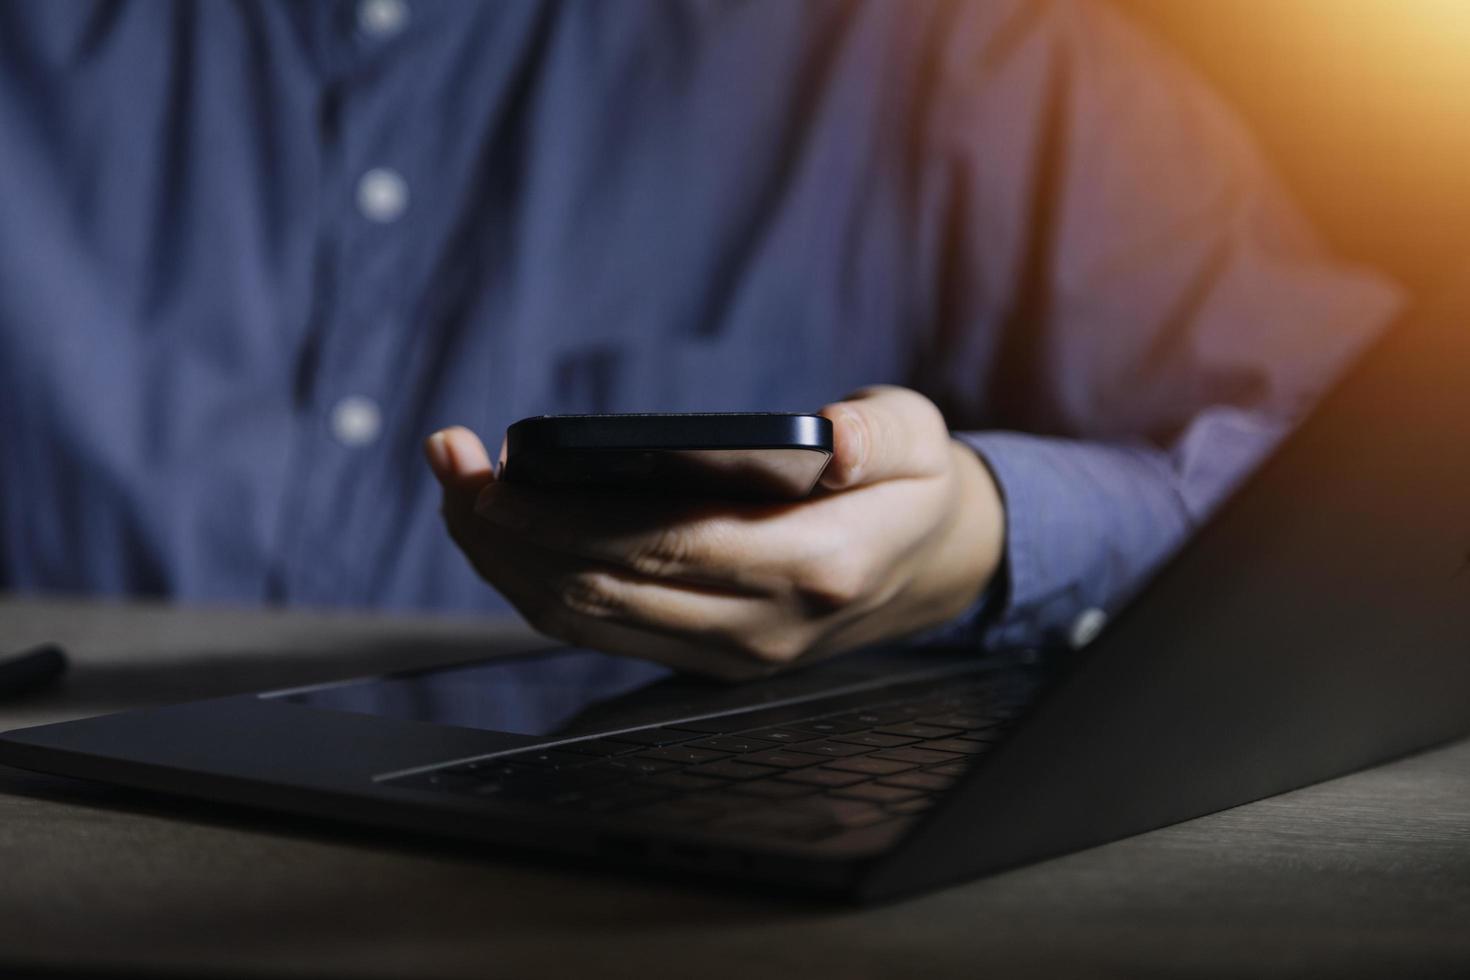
463 469
884 433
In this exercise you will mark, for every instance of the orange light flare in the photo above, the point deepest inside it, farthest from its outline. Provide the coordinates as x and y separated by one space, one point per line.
1363 104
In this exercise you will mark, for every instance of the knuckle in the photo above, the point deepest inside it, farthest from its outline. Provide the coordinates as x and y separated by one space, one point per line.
831 585
591 594
668 552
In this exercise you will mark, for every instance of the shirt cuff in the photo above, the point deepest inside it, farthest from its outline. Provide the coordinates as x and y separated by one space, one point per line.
1085 524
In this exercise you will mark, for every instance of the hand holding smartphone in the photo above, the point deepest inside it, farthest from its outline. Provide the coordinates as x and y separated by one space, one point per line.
905 535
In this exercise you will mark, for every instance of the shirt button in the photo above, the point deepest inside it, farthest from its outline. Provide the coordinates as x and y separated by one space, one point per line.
381 18
356 421
1086 627
382 195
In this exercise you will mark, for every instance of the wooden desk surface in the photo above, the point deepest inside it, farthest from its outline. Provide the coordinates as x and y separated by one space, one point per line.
1363 876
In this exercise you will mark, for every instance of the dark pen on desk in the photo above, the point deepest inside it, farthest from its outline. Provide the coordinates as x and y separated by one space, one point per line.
25 672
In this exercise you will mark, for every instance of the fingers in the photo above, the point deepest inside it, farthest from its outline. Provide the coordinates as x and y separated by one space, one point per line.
457 456
705 631
463 469
884 433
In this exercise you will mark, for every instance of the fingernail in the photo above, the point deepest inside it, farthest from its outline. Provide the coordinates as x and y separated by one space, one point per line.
437 448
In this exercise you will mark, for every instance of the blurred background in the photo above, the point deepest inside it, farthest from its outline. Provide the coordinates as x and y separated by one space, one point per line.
1364 107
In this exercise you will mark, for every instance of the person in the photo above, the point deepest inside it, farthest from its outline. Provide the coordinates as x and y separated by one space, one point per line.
252 253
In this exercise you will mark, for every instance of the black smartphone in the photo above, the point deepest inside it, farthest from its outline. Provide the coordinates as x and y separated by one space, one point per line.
735 455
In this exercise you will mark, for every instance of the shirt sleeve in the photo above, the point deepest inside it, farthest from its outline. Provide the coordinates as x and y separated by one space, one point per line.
1129 312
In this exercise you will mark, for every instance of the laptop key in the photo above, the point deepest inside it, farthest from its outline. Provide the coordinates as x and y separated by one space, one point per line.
877 793
734 743
784 759
834 748
870 766
876 739
952 769
919 757
823 777
682 755
732 769
919 780
916 730
917 805
960 745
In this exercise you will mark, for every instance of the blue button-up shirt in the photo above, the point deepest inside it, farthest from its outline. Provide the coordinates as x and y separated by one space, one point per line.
252 252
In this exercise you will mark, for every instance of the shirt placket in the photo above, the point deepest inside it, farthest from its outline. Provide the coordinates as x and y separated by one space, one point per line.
346 407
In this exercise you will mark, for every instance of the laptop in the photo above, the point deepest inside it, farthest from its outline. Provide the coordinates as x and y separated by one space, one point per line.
1318 624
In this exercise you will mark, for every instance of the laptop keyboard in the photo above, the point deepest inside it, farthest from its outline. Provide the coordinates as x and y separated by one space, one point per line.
799 772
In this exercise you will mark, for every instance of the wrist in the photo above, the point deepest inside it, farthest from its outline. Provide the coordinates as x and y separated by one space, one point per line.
968 546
